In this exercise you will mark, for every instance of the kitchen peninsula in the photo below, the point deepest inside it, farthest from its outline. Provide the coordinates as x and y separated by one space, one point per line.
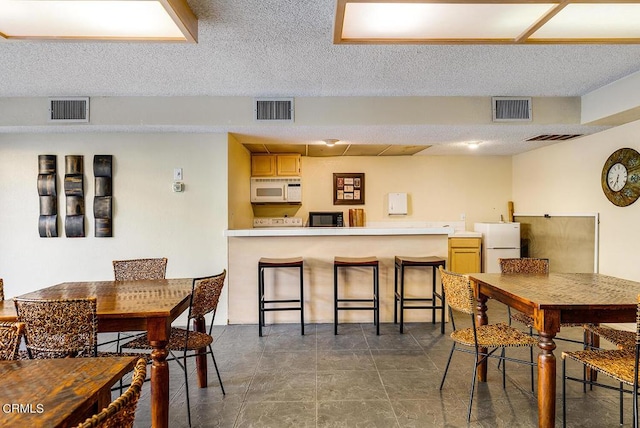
318 247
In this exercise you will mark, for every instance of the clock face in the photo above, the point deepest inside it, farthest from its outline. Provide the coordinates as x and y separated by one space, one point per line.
621 177
617 177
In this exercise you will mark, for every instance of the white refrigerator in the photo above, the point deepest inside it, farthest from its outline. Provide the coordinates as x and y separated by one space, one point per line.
499 240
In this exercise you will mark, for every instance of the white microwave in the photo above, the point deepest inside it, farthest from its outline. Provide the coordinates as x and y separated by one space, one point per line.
276 190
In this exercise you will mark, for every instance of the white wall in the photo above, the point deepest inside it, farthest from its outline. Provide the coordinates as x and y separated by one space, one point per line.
566 178
149 219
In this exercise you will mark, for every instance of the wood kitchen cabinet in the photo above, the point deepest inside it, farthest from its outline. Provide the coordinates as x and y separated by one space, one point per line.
268 165
464 255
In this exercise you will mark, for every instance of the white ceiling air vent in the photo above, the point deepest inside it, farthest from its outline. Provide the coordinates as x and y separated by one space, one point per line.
69 109
270 109
511 109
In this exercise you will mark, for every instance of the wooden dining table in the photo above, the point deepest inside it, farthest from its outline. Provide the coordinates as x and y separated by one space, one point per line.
144 305
57 392
551 300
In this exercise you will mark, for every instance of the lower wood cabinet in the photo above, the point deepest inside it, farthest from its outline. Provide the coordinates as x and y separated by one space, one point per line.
464 255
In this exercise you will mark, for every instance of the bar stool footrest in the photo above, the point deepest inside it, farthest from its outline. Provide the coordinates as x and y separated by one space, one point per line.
282 301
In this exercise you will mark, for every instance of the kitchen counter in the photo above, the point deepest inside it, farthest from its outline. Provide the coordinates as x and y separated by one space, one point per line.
343 231
318 246
466 234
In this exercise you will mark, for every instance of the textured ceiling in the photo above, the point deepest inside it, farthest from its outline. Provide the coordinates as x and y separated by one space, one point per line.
264 48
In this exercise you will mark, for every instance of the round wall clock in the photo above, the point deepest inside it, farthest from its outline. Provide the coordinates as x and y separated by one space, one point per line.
621 177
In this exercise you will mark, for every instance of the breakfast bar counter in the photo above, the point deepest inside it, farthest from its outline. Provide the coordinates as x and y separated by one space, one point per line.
340 231
318 247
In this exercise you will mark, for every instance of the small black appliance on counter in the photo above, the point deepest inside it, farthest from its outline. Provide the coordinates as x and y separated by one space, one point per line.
326 219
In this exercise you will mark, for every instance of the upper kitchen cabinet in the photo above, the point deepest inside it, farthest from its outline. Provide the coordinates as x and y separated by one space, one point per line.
288 165
284 165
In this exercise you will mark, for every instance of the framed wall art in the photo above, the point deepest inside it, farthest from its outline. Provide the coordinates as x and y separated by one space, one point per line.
48 192
102 201
74 191
348 188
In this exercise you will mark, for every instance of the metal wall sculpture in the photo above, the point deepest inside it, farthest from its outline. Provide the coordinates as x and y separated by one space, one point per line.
102 201
74 191
47 189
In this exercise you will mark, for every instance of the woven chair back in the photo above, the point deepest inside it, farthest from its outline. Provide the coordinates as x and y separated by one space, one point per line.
121 412
59 328
10 335
524 265
638 324
458 291
1 289
206 294
138 269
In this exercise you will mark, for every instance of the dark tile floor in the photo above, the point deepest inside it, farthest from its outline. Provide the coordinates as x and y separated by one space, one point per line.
358 379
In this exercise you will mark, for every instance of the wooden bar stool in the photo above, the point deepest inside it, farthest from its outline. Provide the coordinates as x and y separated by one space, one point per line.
346 262
406 302
266 263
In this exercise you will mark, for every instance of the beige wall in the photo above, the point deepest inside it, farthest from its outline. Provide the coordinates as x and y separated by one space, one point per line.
439 188
309 111
149 219
240 213
566 178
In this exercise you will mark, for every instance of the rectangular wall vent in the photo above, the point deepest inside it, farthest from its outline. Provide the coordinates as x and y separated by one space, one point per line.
511 109
69 109
554 137
268 109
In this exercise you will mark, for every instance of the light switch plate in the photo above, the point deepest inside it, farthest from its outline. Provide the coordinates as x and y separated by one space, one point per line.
177 174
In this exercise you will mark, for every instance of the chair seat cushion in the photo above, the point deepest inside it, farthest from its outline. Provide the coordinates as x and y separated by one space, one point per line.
528 321
197 340
616 363
623 339
522 318
147 357
494 335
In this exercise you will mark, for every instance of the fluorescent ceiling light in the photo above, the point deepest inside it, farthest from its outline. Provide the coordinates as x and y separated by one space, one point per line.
330 142
131 20
473 145
487 21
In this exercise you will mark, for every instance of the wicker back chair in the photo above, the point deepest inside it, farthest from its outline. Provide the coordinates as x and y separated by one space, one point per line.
619 364
1 289
121 412
10 336
137 269
524 265
205 296
622 339
530 266
483 340
59 328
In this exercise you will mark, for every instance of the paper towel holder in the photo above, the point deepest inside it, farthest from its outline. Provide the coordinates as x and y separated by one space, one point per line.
397 204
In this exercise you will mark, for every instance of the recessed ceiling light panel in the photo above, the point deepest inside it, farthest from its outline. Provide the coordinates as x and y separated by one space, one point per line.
438 20
487 21
167 20
587 20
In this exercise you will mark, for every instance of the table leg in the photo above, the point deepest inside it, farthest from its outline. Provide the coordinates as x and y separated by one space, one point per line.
159 385
546 381
201 359
482 319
